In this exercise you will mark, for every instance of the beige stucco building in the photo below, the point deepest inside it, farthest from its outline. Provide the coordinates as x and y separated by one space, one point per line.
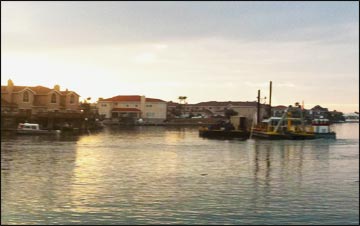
151 110
37 99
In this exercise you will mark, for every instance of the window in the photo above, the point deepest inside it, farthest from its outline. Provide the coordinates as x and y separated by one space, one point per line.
150 114
114 115
53 98
72 99
103 105
148 105
127 105
26 96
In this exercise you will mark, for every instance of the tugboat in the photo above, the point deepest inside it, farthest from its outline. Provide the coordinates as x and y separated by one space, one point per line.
321 129
286 127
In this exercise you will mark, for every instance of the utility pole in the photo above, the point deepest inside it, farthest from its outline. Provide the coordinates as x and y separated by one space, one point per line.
270 99
258 107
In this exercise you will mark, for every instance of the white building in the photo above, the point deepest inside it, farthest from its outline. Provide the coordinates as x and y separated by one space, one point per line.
151 110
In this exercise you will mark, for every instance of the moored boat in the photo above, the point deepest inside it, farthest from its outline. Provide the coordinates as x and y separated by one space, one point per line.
286 127
33 129
223 134
235 128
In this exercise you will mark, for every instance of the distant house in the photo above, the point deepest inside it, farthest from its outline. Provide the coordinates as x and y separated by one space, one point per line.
278 111
151 110
36 99
247 109
318 111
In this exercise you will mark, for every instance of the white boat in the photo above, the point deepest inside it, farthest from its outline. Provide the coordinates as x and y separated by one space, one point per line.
33 128
351 117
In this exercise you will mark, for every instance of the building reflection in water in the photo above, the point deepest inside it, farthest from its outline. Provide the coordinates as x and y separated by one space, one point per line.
36 174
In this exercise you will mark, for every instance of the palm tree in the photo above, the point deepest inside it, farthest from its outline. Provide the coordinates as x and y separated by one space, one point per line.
182 99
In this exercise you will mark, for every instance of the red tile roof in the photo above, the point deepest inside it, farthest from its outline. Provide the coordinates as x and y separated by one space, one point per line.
279 107
135 98
39 90
67 92
123 98
226 103
126 109
154 100
172 104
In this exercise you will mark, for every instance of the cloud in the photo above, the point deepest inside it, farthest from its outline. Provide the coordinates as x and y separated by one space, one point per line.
145 57
31 25
252 84
287 84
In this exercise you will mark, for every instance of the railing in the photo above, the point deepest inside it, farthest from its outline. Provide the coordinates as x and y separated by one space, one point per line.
60 115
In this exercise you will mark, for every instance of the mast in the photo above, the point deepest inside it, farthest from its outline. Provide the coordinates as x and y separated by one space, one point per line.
270 99
258 107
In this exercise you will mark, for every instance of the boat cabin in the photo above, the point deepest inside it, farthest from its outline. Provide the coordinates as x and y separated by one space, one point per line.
321 125
290 124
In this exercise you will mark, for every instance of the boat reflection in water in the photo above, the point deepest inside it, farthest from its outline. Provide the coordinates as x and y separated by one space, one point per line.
168 175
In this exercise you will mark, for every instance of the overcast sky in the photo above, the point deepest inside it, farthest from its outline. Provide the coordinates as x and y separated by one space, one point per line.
203 50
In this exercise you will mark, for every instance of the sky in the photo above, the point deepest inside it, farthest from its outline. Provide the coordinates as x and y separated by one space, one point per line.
206 51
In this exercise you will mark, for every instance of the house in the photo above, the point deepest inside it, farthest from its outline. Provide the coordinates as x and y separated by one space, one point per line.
318 111
217 109
278 111
151 110
38 99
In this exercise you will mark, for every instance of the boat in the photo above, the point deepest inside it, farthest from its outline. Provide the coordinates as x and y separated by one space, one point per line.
286 127
321 129
33 129
226 130
223 134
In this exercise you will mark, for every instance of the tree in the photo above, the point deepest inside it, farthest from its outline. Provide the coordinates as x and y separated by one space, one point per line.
182 99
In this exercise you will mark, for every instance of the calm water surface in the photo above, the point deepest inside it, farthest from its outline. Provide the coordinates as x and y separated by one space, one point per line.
158 175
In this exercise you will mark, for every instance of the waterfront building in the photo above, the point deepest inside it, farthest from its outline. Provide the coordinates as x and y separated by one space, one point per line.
216 108
352 117
150 110
319 112
51 108
37 99
278 111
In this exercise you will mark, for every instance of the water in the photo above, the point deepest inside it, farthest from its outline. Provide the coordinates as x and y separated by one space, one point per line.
158 175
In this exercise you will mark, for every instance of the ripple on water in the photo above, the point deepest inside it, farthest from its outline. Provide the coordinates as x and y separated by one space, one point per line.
171 176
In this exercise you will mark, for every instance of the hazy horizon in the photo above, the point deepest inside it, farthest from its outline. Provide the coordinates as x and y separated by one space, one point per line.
207 51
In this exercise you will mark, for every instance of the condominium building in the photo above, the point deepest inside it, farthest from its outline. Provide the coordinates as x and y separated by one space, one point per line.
38 99
150 110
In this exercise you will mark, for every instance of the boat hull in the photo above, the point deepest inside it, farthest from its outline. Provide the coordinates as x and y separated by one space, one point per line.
37 132
285 136
224 134
331 135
